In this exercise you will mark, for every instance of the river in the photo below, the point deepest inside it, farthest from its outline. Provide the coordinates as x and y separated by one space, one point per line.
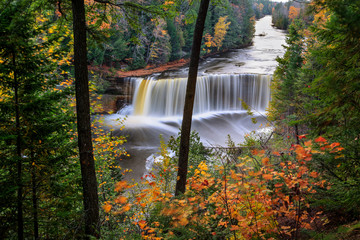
225 80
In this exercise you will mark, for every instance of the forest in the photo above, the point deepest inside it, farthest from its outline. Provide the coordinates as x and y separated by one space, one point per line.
60 174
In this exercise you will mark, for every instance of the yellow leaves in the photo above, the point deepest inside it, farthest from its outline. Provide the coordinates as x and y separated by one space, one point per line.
202 166
183 221
52 29
208 40
167 2
221 28
240 201
220 31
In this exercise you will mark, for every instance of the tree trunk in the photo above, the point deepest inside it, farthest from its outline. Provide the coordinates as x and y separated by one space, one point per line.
18 155
90 193
189 98
34 197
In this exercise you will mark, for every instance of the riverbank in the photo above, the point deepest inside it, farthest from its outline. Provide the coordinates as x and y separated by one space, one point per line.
152 69
148 70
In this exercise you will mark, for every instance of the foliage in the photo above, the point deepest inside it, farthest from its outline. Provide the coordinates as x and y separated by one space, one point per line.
261 196
324 91
147 39
283 14
31 72
287 102
197 152
293 12
221 28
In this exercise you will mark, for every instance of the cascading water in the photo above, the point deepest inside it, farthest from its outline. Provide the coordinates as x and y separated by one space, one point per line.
214 93
224 82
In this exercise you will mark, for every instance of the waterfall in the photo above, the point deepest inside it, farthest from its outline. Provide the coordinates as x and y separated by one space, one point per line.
214 93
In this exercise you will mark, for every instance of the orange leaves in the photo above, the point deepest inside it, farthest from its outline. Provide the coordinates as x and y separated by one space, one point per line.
302 153
314 174
122 185
243 199
293 12
107 207
265 161
333 145
124 209
267 176
121 200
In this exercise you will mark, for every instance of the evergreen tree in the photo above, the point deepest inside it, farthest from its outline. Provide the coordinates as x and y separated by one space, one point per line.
35 143
333 67
174 40
288 83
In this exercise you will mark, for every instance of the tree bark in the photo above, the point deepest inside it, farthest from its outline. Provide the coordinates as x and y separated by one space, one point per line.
34 197
20 217
189 99
90 193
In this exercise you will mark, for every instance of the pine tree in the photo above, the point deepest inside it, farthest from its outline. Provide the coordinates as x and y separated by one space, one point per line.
34 128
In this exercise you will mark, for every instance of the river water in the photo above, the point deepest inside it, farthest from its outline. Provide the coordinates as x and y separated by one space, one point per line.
225 81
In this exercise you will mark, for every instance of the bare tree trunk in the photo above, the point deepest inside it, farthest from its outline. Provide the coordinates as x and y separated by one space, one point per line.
189 98
20 218
90 193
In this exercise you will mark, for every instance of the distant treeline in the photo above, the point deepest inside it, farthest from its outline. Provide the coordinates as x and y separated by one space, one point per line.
229 24
283 14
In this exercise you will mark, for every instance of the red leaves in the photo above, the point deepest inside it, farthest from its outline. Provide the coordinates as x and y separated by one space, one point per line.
205 183
302 136
320 140
245 201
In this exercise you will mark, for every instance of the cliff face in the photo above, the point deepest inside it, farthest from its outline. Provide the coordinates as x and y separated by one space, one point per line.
117 94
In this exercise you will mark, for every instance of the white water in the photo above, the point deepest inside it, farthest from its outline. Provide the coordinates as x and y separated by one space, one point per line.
224 81
214 93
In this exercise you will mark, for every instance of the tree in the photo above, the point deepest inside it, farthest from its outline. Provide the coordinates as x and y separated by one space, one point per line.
288 83
333 69
221 28
319 88
174 40
15 42
189 98
35 125
293 12
90 193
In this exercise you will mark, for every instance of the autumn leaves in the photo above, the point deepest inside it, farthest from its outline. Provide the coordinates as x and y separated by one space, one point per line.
263 195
